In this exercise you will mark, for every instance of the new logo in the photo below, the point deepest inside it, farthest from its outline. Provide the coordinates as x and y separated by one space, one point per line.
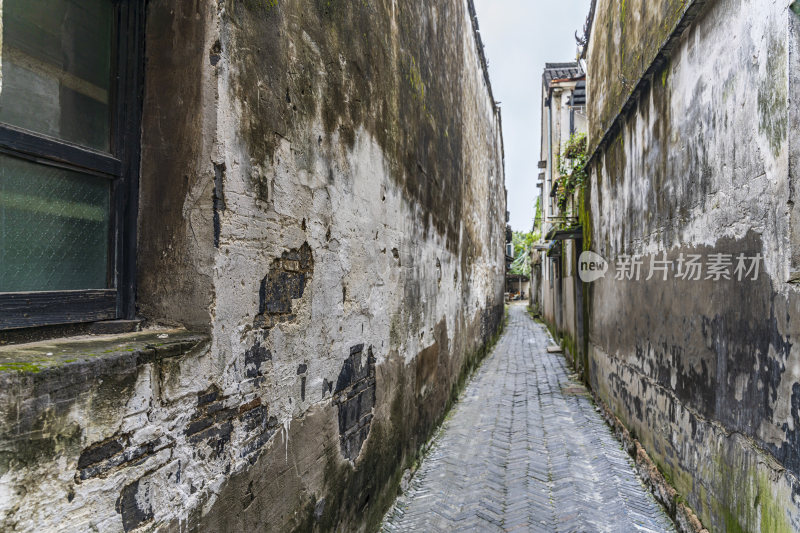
591 267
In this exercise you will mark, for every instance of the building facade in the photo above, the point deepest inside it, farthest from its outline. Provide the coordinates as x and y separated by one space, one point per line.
563 122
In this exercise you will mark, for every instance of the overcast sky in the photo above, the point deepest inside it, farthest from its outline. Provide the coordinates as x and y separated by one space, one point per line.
520 36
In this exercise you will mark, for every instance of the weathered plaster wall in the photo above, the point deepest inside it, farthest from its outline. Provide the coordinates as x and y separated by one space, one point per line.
561 305
705 373
323 197
175 253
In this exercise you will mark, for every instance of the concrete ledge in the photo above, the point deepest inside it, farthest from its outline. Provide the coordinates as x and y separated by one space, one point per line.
60 396
54 332
74 354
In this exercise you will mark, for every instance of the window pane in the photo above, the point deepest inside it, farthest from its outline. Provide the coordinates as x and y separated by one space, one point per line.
54 228
56 61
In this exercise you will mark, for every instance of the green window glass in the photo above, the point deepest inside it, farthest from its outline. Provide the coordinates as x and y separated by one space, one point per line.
56 62
54 228
55 222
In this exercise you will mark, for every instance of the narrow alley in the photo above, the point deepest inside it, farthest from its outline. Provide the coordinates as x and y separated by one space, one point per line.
323 266
525 450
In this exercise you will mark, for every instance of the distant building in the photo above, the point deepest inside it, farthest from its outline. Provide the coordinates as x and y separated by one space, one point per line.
518 286
563 116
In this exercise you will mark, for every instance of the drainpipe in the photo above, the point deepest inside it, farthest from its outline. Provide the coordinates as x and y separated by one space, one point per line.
549 152
572 117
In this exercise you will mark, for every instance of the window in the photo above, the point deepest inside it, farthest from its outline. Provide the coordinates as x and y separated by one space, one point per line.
70 73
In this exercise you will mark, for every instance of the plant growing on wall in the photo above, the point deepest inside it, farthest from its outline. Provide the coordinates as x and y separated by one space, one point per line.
572 169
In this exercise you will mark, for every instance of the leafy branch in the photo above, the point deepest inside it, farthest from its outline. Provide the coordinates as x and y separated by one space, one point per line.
522 246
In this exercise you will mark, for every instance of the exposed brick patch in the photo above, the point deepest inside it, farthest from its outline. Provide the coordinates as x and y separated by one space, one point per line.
684 517
213 423
286 281
253 358
134 505
219 199
104 456
252 404
327 387
208 396
101 451
355 397
256 422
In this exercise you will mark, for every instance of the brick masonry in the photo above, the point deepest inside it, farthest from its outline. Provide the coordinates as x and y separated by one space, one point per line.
354 397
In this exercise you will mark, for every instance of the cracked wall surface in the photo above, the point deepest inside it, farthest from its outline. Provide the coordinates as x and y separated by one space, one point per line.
322 197
705 373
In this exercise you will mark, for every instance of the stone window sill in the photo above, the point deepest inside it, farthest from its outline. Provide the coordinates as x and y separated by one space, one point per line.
84 352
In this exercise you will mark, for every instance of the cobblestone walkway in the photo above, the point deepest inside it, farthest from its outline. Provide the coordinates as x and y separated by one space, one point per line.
522 451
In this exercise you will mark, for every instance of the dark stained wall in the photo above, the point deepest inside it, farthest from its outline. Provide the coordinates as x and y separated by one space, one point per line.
322 199
704 372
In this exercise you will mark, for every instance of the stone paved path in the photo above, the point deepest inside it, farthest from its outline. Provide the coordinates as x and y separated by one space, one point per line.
522 451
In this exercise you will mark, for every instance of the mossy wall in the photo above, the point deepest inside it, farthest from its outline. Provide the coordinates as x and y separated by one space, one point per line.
626 37
322 195
704 372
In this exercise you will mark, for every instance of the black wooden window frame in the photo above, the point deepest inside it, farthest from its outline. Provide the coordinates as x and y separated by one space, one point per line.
120 167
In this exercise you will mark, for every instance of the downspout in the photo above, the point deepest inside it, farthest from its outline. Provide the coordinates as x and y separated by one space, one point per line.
549 153
572 117
546 229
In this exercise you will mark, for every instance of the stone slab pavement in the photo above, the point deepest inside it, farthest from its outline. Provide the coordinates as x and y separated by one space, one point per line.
525 450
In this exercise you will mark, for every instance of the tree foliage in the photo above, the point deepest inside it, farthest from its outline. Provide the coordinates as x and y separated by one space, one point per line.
522 260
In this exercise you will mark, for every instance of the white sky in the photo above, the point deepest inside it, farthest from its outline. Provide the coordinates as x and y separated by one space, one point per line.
520 36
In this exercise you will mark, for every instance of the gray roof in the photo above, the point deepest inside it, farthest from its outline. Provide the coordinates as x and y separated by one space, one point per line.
560 71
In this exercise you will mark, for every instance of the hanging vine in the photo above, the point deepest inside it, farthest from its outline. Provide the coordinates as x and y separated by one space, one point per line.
572 169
